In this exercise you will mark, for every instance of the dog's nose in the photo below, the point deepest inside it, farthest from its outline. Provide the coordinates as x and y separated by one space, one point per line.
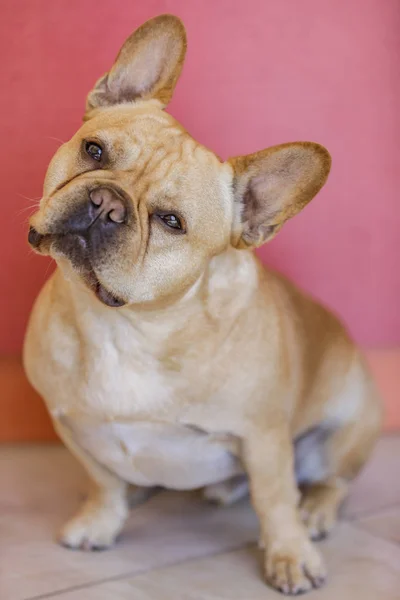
109 204
34 238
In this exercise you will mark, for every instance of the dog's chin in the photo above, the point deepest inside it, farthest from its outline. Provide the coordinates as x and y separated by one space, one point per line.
107 297
88 277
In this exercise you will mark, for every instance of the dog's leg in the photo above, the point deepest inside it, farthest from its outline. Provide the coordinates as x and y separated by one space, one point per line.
329 458
227 492
105 510
319 506
293 564
345 451
321 491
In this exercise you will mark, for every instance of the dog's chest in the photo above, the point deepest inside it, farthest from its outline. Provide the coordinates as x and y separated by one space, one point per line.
127 399
150 454
111 371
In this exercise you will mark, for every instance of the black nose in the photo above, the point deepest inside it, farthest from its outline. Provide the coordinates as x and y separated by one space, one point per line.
109 205
103 211
34 238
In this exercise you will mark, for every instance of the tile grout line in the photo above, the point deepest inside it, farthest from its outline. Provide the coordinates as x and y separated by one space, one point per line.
352 520
134 574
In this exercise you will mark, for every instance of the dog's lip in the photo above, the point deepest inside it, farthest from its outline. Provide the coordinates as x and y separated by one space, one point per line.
39 242
100 291
107 297
34 237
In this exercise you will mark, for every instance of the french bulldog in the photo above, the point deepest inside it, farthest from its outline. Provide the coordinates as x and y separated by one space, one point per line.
166 353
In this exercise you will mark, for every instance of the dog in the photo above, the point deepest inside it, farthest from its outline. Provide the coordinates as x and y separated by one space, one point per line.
166 353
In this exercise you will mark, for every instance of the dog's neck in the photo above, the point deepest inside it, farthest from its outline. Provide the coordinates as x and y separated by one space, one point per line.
220 293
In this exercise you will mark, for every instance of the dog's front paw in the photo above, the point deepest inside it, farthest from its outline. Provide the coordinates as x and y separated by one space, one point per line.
91 531
294 569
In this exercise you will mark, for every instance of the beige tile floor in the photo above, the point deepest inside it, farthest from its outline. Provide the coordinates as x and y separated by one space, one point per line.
177 547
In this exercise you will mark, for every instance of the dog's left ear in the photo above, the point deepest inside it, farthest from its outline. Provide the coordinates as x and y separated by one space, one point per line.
147 66
272 186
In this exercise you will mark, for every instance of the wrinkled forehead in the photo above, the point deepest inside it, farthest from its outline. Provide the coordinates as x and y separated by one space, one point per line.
143 141
132 128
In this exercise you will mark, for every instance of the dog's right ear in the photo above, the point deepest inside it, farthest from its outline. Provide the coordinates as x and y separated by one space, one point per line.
147 66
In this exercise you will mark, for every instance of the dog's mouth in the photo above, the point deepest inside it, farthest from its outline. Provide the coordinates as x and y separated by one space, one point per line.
102 293
75 249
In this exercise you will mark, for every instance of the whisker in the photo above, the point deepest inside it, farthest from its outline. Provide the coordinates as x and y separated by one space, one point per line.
49 137
47 270
28 198
25 208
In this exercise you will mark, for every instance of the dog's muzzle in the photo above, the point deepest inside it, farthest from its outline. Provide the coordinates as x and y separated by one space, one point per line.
105 207
84 235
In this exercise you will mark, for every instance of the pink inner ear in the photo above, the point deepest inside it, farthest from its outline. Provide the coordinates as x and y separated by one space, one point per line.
268 191
146 65
142 73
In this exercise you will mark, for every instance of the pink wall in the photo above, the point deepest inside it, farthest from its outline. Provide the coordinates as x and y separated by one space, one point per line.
258 72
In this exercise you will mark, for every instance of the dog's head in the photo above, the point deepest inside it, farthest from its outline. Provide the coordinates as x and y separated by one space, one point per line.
136 207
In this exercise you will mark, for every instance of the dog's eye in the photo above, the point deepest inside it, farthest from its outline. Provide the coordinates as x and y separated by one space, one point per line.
94 150
172 221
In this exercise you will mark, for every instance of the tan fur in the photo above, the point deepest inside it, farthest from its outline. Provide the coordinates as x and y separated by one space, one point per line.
213 366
